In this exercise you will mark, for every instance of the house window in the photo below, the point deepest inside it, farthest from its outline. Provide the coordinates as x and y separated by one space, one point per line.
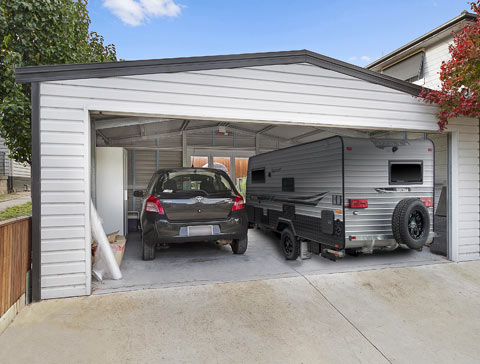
288 184
405 173
409 69
258 175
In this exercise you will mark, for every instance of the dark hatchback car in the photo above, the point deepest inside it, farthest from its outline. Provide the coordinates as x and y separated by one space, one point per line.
192 204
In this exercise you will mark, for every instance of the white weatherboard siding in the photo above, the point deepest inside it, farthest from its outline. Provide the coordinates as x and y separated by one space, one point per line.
282 94
4 160
291 94
20 169
65 195
466 203
11 167
434 55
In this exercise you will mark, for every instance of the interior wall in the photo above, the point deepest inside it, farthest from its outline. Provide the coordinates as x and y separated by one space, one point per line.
142 164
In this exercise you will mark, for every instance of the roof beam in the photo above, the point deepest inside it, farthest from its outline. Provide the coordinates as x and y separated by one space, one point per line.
310 133
136 138
184 125
338 131
119 122
104 137
348 132
239 128
265 129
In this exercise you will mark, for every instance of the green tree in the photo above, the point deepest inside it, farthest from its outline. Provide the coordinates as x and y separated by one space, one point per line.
40 32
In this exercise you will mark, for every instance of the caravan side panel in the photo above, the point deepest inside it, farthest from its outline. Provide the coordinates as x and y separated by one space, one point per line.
316 171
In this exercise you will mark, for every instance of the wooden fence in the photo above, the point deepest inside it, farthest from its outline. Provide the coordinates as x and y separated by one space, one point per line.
15 248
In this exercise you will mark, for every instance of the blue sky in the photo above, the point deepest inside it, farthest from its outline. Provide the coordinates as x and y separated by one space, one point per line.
354 31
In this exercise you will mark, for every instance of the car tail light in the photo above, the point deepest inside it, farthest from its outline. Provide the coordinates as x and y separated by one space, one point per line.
154 205
358 204
428 201
238 204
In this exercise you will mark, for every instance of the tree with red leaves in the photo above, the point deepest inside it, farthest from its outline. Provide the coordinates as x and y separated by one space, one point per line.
460 76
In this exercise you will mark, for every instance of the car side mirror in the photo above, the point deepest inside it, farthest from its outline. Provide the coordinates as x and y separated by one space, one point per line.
139 193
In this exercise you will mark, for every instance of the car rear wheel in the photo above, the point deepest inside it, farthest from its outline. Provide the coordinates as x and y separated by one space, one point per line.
290 245
148 251
411 223
239 246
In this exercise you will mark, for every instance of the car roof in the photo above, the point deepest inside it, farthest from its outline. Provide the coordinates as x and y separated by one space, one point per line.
188 169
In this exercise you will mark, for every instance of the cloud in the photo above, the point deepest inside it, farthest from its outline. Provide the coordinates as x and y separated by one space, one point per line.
359 59
137 12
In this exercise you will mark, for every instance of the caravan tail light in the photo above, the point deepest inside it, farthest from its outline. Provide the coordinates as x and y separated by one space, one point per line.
238 203
153 205
358 204
428 201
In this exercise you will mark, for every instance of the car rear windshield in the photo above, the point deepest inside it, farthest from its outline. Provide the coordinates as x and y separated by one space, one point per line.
192 182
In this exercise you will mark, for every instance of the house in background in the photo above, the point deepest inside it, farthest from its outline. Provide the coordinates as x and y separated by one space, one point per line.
14 176
419 61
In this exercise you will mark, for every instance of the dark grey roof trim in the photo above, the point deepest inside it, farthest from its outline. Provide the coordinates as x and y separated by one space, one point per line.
170 65
463 16
362 73
166 65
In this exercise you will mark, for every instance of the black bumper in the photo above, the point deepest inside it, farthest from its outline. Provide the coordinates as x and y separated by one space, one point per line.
157 229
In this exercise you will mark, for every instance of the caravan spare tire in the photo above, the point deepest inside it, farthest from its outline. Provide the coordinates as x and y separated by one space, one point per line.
411 223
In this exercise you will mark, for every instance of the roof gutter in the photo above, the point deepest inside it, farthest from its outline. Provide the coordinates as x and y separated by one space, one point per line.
463 16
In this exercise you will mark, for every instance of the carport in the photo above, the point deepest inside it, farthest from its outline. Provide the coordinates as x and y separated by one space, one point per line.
218 109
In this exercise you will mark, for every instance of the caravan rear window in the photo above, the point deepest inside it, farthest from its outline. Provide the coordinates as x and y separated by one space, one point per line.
406 172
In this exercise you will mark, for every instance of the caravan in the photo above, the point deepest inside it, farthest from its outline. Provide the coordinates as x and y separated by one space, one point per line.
345 195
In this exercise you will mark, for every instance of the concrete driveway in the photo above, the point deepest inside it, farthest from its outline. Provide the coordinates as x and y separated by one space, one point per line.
427 314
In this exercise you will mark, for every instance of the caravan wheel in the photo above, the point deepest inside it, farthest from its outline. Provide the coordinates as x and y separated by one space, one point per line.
411 223
290 245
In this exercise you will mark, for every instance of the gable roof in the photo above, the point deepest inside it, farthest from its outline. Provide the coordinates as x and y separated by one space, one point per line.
464 16
171 65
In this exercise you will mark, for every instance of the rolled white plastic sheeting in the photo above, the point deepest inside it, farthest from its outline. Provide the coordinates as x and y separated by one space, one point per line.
105 265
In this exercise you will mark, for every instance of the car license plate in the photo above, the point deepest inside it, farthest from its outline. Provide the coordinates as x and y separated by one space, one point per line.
201 230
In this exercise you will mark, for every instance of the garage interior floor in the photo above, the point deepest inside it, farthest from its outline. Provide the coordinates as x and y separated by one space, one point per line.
206 263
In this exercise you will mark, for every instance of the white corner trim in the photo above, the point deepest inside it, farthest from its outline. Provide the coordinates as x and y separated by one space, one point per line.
87 174
453 241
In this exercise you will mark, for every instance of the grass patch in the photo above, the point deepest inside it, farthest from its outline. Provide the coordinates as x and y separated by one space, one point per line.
8 196
16 211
